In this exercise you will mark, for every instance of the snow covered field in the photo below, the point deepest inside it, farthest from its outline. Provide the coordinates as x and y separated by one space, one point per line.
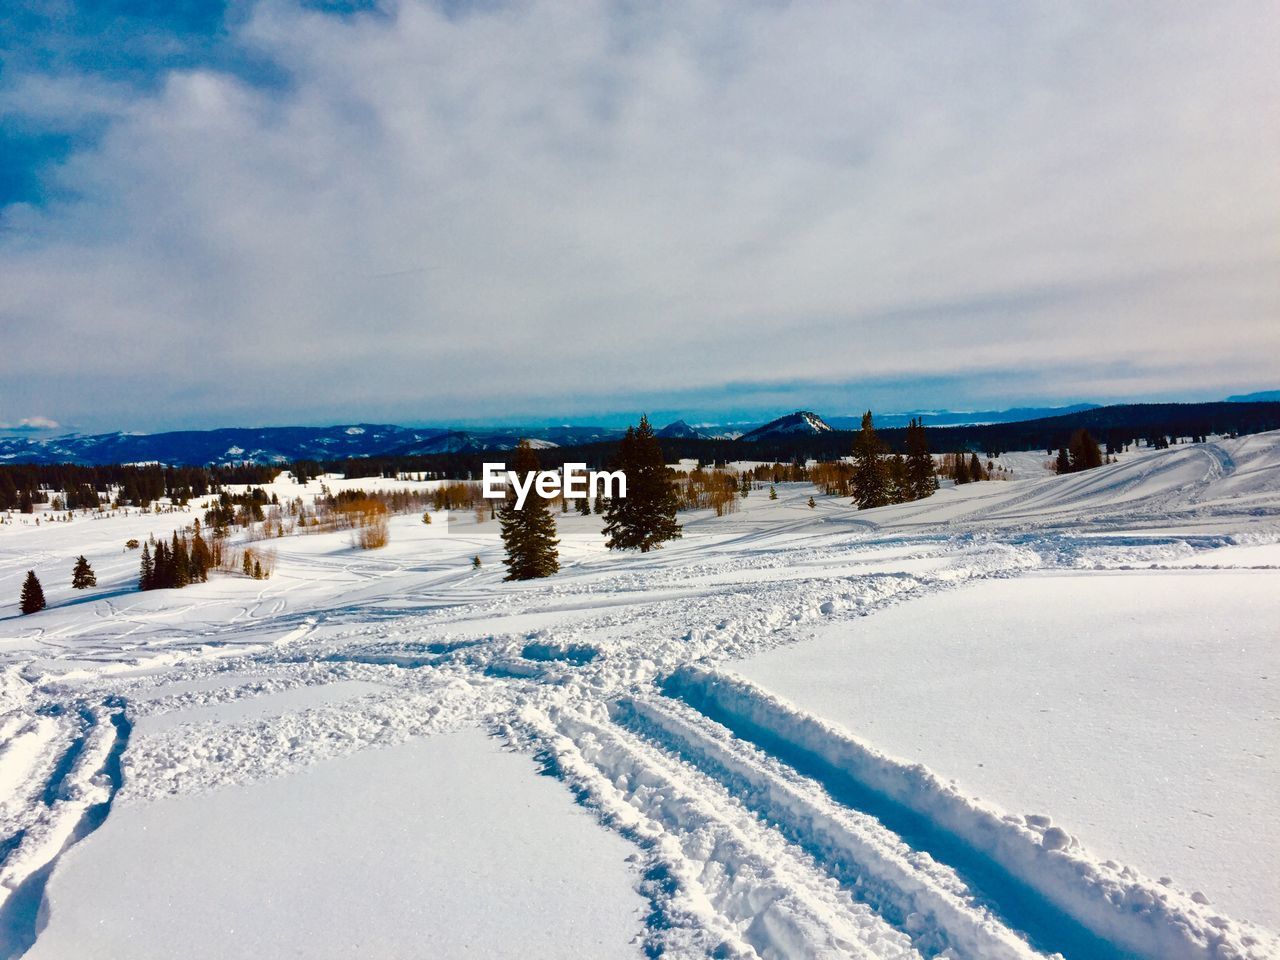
1015 719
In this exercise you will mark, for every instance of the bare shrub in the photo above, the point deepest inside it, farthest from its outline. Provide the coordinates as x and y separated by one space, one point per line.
373 532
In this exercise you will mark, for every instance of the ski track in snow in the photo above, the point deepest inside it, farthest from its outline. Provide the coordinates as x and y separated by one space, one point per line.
763 831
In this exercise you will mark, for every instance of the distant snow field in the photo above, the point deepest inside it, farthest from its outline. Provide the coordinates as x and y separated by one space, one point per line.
1013 720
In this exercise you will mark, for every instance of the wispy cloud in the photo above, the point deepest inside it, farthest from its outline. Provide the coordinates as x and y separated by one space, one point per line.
529 209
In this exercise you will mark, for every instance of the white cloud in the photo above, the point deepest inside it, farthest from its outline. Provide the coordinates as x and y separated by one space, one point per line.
556 202
31 424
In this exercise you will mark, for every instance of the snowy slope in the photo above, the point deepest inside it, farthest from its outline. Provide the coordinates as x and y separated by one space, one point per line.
758 826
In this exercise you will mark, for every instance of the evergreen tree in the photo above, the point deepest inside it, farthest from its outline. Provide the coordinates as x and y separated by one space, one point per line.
32 599
646 517
181 561
975 468
920 472
83 576
812 503
475 562
164 578
146 570
201 558
1084 452
899 486
584 506
961 469
1063 463
870 475
528 534
773 494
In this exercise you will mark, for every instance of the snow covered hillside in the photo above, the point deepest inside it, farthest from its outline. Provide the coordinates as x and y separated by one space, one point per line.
1017 719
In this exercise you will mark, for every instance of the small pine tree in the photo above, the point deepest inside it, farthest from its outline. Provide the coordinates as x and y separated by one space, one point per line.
257 570
1063 463
426 516
246 564
773 494
584 506
475 562
146 570
32 599
976 472
528 533
82 576
812 503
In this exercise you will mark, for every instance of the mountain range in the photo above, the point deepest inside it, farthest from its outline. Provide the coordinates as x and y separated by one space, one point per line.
267 445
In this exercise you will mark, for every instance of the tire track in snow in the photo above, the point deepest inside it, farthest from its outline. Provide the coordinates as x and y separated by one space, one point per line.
1034 874
76 800
721 883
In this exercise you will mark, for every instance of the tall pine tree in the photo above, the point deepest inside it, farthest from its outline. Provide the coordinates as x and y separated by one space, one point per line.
645 518
32 599
921 476
529 533
870 473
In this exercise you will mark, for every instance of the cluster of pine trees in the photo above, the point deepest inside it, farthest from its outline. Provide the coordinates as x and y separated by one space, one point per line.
642 520
964 468
175 564
238 509
1081 454
878 479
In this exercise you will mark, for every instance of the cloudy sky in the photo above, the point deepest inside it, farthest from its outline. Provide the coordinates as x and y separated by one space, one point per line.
268 212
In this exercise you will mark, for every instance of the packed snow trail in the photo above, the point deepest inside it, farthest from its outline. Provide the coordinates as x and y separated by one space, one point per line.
762 831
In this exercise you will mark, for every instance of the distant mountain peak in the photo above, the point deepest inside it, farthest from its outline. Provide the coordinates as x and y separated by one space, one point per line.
681 430
802 421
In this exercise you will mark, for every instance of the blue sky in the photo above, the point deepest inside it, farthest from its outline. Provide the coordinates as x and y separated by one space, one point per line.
271 212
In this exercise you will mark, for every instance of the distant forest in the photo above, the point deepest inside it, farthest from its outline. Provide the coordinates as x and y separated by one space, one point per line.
1117 427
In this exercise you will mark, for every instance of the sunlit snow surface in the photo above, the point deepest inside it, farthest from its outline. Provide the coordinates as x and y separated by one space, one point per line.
1102 644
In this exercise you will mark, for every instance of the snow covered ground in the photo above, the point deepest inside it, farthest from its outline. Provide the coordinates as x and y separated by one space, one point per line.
1091 659
443 846
1081 696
